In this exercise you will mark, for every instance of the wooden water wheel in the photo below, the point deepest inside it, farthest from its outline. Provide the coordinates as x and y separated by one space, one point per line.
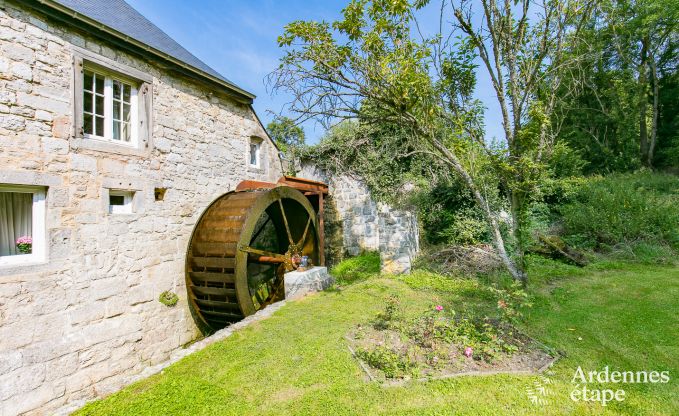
240 249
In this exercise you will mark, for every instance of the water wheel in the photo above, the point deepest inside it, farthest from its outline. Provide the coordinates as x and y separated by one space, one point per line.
240 249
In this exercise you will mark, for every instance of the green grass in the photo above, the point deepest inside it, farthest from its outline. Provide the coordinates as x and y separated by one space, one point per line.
297 362
357 268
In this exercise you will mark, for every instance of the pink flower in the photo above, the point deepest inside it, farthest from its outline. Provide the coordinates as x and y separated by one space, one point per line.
501 304
25 240
468 352
439 308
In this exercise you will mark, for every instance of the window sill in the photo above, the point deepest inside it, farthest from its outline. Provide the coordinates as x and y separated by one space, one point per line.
21 264
109 147
257 169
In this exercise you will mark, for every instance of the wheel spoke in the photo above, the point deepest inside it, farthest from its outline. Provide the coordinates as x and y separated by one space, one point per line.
306 229
262 252
258 232
271 261
285 220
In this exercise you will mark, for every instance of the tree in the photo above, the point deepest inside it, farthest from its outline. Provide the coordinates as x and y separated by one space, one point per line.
289 138
645 33
375 65
629 47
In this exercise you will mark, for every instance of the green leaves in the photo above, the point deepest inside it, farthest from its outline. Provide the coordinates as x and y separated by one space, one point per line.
285 133
289 138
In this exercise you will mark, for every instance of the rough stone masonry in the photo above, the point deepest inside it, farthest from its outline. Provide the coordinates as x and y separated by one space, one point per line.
78 325
369 225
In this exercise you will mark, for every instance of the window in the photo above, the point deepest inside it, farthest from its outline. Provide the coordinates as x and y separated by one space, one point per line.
112 105
109 108
254 155
120 202
22 224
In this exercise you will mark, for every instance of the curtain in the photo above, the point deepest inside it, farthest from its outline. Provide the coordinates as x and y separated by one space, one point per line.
16 220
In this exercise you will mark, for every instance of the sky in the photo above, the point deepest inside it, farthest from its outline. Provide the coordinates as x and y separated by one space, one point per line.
237 38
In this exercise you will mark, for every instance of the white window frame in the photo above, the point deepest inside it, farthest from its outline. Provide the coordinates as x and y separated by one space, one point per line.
109 77
258 153
38 248
126 208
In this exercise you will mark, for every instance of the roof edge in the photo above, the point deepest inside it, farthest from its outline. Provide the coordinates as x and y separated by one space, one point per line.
245 96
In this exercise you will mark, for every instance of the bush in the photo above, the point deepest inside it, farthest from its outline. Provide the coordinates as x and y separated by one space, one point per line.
608 211
357 268
449 216
392 364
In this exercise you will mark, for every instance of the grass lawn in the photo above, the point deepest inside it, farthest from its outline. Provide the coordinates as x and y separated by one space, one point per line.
624 316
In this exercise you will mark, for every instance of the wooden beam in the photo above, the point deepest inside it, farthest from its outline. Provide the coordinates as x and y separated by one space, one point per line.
302 184
252 185
321 229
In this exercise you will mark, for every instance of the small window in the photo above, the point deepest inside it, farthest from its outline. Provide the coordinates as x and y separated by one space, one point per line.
120 202
109 108
22 224
254 155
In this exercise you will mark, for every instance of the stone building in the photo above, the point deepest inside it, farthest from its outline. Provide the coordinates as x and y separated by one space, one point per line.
113 140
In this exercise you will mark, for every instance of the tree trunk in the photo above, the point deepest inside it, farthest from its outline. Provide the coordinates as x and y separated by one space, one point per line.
498 241
656 99
643 102
517 202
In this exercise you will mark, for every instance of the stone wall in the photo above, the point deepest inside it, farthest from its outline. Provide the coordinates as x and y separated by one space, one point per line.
366 224
82 323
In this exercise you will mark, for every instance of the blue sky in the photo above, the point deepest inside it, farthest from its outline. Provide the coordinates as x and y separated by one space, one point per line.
238 39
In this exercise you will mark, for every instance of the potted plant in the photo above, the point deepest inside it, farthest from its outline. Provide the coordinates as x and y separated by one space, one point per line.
24 244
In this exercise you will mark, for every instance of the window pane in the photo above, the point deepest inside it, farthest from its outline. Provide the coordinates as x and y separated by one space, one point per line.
126 93
116 110
116 90
100 126
87 102
116 200
126 132
16 221
116 130
99 108
126 112
120 202
87 82
99 84
87 124
253 154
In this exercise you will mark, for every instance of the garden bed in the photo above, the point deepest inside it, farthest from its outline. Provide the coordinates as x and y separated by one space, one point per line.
439 344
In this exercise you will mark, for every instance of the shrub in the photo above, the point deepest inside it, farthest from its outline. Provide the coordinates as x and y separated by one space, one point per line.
391 315
449 215
390 362
433 330
511 302
565 162
623 209
644 252
357 268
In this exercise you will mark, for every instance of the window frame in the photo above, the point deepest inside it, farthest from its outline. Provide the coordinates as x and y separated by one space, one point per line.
39 231
142 129
109 101
258 157
128 200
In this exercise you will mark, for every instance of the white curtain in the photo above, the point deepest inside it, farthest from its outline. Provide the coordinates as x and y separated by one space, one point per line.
16 220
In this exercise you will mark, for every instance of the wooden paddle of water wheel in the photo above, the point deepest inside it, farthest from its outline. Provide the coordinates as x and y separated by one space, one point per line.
240 249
